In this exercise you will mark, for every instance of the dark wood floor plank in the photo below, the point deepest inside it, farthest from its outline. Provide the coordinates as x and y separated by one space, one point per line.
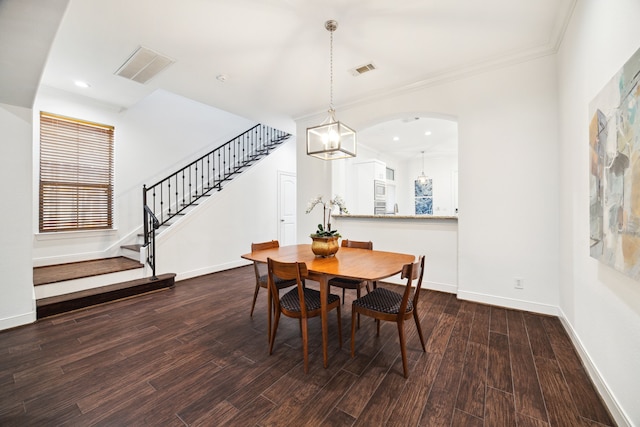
219 414
382 403
193 355
471 393
499 363
263 382
408 408
337 418
437 342
517 330
356 400
480 326
526 388
296 389
540 344
314 413
584 395
462 419
442 399
556 332
524 421
562 411
500 410
498 322
253 412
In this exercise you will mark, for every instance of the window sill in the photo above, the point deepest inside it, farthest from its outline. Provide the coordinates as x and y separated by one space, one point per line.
84 234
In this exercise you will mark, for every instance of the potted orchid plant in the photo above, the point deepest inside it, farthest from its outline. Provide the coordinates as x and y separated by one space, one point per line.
325 240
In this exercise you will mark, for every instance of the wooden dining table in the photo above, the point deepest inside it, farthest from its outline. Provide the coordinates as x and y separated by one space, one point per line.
351 263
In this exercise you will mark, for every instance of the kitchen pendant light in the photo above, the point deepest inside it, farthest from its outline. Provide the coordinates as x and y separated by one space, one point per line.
422 178
331 139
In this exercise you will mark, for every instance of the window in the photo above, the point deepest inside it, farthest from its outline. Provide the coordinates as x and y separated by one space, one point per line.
76 174
391 174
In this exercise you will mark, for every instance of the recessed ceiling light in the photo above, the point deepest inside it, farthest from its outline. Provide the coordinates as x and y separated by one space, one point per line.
82 84
427 133
396 138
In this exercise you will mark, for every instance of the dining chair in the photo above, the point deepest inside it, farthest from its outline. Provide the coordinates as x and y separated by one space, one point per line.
300 302
345 283
261 274
385 304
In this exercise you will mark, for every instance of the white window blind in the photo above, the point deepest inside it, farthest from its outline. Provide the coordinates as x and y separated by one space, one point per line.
76 174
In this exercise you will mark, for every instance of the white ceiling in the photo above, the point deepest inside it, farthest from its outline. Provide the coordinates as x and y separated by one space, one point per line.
276 52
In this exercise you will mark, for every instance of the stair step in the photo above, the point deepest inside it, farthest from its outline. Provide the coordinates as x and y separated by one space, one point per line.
77 270
58 304
135 248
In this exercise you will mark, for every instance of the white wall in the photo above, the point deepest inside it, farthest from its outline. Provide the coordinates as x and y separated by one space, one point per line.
600 305
437 238
17 305
157 136
508 172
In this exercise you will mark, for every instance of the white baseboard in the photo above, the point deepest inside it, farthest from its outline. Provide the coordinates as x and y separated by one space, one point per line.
211 269
442 287
612 404
509 303
19 320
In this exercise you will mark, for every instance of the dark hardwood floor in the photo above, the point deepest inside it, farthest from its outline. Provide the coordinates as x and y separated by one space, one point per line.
191 355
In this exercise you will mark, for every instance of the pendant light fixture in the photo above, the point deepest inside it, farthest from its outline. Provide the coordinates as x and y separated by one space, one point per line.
422 178
332 139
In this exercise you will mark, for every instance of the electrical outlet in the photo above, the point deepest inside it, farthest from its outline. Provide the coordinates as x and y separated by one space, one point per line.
518 283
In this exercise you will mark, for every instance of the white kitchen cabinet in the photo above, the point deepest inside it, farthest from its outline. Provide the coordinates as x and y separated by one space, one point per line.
370 175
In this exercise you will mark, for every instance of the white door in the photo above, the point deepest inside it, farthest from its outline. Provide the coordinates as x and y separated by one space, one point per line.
287 208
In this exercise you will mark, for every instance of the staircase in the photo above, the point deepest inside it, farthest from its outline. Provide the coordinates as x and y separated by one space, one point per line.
165 202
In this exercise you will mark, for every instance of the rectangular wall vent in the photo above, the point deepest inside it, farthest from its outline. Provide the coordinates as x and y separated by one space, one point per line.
363 69
143 65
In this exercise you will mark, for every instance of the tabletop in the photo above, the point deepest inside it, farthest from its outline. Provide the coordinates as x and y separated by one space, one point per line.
347 262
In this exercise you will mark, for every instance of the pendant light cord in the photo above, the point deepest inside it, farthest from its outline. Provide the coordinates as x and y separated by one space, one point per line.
331 71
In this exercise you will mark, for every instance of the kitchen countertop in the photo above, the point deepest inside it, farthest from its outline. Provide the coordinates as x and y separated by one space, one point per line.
391 216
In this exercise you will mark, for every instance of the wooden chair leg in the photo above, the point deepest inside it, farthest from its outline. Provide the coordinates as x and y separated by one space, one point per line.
339 325
255 297
358 295
273 333
378 327
403 349
343 295
415 317
270 311
353 331
305 345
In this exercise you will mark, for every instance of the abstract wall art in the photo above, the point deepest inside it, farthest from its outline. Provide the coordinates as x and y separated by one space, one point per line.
424 197
614 171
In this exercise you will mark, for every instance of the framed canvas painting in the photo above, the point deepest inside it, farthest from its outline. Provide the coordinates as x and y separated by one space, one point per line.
614 171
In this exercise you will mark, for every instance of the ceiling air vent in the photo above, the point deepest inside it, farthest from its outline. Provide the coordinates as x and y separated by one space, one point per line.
143 65
362 69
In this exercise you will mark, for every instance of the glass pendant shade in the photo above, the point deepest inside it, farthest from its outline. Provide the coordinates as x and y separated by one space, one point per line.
422 178
332 140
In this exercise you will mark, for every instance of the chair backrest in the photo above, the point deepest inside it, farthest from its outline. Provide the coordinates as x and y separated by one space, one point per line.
346 243
286 271
265 245
259 247
412 272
